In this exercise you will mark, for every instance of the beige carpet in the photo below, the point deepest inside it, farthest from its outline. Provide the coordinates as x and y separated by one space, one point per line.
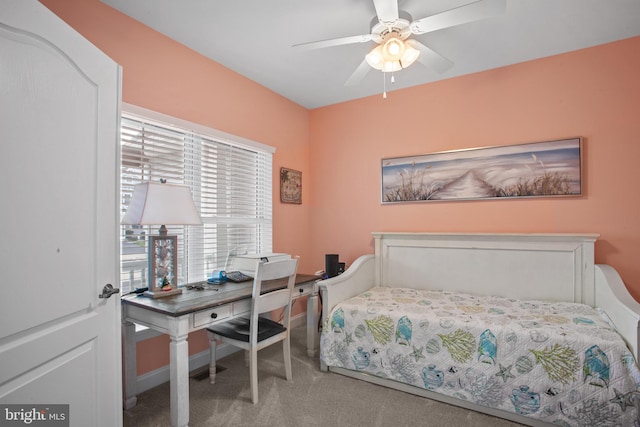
313 398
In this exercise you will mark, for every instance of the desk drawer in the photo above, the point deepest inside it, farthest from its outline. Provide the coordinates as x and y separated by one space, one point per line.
240 307
211 315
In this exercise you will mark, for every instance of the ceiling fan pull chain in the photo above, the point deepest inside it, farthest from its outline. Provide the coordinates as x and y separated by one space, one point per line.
384 85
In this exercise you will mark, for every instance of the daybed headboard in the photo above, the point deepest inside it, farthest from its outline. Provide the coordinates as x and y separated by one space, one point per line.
525 266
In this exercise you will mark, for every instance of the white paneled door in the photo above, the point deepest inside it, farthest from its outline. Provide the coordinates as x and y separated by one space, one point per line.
59 116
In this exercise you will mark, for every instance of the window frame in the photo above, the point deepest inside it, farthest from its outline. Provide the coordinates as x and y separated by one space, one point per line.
202 133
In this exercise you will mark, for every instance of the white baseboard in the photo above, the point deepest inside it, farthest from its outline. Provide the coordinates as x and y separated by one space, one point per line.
159 376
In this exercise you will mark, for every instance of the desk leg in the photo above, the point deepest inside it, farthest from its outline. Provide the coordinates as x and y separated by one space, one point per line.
179 377
312 324
130 365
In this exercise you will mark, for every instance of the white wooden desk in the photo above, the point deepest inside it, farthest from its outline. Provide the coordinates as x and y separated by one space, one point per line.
190 311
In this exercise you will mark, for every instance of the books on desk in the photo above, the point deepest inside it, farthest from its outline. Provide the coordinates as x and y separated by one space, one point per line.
238 276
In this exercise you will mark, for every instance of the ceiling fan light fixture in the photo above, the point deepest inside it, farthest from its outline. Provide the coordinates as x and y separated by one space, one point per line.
393 54
376 61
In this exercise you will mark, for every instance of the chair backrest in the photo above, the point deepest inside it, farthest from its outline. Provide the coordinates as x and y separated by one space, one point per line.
263 302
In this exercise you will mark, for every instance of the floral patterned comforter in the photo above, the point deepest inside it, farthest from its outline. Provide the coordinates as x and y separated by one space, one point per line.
562 363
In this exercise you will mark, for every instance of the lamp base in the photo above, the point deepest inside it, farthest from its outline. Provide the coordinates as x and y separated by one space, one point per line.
161 294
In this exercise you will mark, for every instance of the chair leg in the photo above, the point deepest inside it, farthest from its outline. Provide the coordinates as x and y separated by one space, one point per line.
286 350
253 374
247 358
212 355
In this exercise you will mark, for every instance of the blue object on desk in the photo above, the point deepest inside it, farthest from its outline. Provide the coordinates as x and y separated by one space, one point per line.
217 277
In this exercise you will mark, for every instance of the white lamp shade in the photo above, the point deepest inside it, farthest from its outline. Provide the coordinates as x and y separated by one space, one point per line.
410 54
161 204
392 49
374 58
391 66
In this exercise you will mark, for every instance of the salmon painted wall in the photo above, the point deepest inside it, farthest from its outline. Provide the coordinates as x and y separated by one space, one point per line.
162 75
592 93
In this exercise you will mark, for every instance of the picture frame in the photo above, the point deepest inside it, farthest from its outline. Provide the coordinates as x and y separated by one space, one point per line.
163 263
538 169
290 186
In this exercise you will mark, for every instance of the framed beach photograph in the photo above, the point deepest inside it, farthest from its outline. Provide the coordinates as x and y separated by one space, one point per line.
290 186
539 169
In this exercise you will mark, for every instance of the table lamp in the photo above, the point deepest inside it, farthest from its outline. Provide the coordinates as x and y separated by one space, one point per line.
159 203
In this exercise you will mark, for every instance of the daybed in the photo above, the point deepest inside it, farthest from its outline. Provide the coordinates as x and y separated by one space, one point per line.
520 326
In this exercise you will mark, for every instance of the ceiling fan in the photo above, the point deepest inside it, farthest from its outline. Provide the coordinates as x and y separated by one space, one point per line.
391 30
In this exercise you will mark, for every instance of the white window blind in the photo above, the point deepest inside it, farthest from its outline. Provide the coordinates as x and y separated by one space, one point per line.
231 185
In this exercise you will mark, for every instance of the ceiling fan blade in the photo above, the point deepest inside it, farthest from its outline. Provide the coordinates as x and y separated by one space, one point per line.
358 74
333 42
475 11
430 58
386 10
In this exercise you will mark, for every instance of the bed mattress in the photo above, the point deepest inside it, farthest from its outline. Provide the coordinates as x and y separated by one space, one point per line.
562 363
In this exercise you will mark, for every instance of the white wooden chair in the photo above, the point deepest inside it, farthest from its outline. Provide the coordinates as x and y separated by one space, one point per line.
255 332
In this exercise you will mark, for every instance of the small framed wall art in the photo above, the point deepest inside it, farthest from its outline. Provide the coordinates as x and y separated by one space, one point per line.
290 186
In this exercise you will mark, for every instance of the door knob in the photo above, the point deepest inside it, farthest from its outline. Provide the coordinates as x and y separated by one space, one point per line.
108 290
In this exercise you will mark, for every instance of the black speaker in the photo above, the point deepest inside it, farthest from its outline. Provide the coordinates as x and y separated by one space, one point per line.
331 265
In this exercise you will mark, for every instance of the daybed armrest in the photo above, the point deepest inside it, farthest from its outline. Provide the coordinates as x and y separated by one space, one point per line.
356 279
624 311
359 277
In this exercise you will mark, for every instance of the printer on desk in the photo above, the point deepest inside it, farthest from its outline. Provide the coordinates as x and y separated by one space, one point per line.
240 268
247 263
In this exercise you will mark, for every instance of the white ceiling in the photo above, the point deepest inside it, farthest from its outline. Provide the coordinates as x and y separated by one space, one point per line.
255 37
